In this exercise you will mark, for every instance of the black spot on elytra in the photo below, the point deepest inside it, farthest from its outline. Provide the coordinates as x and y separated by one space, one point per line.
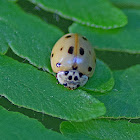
52 54
70 77
84 38
74 67
68 36
81 51
70 50
75 78
61 49
80 74
89 68
65 84
58 64
66 72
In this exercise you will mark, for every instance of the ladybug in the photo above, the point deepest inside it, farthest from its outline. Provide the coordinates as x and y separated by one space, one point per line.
73 59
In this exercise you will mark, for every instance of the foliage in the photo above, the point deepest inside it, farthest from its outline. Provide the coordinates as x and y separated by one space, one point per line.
27 35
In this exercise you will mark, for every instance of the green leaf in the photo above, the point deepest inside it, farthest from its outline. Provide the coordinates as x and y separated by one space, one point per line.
102 80
101 130
124 39
27 35
95 13
127 3
17 126
3 37
28 87
123 100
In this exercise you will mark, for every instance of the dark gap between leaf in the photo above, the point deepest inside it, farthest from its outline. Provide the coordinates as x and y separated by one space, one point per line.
11 54
48 121
48 17
118 60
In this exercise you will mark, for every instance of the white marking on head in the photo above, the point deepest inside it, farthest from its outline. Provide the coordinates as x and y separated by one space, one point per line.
71 79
